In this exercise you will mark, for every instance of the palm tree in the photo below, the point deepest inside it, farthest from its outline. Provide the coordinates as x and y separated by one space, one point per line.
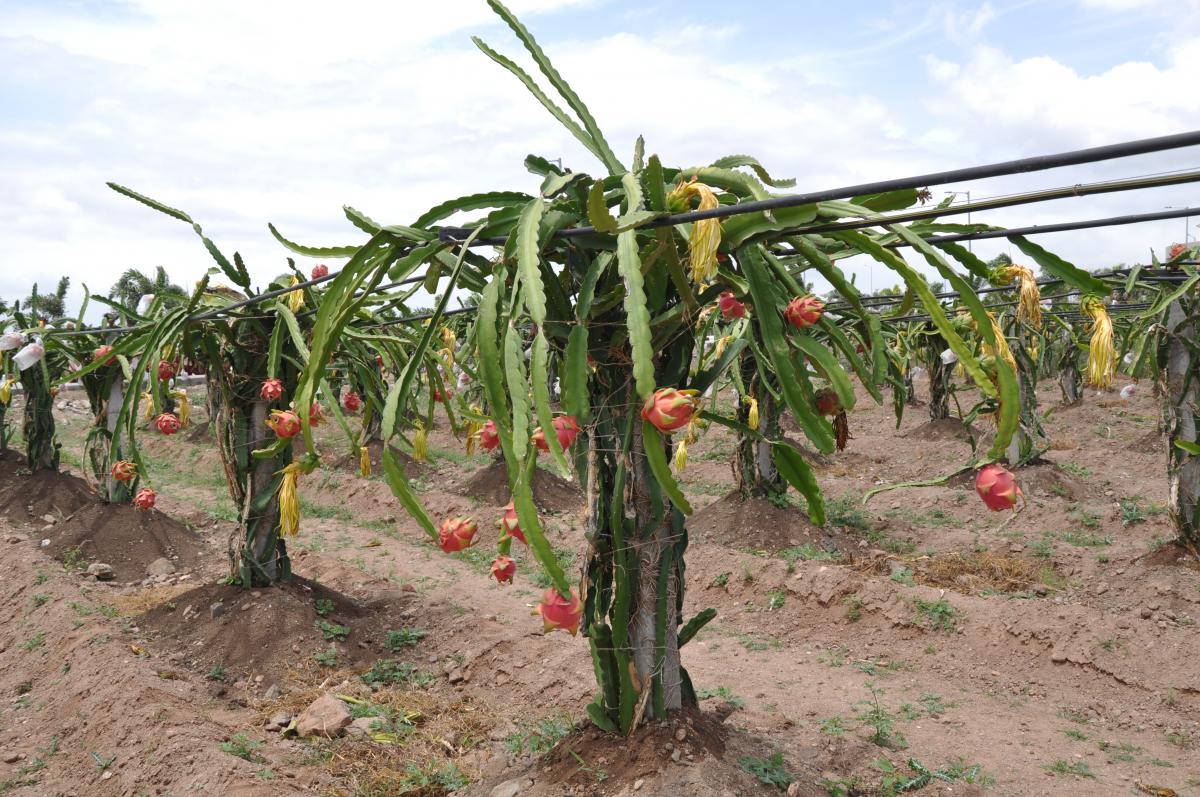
134 284
51 305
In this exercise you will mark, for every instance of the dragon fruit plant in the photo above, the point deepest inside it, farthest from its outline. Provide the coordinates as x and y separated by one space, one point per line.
620 317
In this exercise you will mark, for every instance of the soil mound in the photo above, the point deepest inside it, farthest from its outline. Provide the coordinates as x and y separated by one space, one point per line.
755 524
412 469
942 429
28 497
550 493
127 539
1150 443
272 631
644 760
90 687
1045 478
200 433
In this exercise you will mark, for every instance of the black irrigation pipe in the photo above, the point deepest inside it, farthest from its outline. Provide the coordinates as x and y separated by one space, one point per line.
219 311
1111 221
1037 229
883 301
1019 166
420 317
1064 192
1116 308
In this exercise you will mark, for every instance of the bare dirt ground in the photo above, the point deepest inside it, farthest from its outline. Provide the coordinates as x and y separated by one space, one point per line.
1051 653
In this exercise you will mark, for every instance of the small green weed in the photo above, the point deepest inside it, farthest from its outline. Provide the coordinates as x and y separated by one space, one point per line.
74 559
1078 769
938 615
1119 751
1043 548
432 778
934 704
833 726
404 638
217 673
770 771
806 553
323 606
390 672
103 762
1080 540
724 693
327 658
834 657
1075 470
243 747
538 737
872 714
854 607
34 642
332 631
776 599
754 642
1131 513
1072 715
1084 517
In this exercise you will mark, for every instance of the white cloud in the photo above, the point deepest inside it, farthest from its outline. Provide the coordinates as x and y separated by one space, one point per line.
1119 5
1130 100
969 23
243 113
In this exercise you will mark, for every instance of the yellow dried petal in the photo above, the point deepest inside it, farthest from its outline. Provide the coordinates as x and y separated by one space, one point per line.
295 299
420 444
289 501
1102 356
752 417
681 456
705 236
1029 306
181 398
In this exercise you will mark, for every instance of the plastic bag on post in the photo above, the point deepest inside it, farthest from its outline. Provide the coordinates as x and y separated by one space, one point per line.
12 340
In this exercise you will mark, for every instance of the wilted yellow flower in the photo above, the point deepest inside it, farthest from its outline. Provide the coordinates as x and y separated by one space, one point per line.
1102 357
681 456
364 461
721 344
1001 349
181 398
148 400
1029 306
752 416
295 299
420 444
6 389
473 429
706 233
289 500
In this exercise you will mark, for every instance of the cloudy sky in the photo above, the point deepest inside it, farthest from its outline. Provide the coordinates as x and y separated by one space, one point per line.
247 112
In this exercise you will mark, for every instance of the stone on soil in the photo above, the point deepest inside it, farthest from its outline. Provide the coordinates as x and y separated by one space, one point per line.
326 716
101 571
160 567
